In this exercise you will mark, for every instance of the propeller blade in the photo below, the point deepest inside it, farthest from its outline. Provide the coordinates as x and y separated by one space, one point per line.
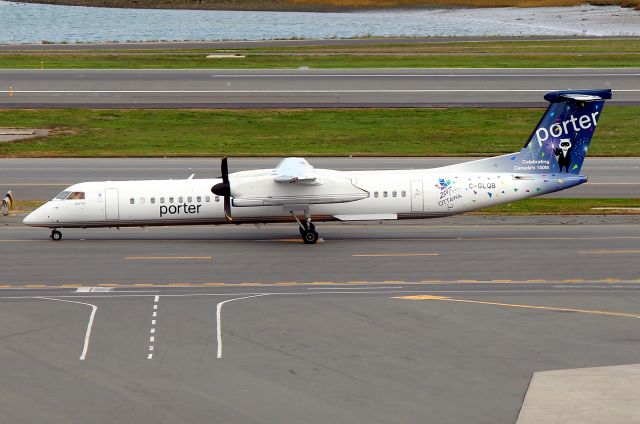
227 208
225 171
223 189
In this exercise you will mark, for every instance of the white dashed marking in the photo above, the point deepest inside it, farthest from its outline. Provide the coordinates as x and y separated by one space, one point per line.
152 330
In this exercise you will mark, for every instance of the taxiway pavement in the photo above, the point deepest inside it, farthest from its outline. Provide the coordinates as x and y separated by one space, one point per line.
463 247
363 354
306 87
42 179
446 319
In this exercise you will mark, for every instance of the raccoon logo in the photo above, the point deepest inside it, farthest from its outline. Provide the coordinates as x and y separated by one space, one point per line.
563 153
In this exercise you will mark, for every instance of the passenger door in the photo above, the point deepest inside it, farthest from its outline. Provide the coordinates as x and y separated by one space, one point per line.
417 196
111 204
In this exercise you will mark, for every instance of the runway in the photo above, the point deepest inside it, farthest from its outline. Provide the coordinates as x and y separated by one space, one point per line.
213 88
42 179
267 330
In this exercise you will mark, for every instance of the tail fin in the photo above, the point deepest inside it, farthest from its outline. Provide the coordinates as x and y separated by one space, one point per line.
565 130
560 141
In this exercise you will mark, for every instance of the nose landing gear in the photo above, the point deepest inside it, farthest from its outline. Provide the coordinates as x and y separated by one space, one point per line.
56 235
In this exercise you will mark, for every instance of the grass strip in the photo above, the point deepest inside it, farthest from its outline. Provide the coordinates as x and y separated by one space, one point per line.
304 132
610 52
565 45
565 206
284 61
487 45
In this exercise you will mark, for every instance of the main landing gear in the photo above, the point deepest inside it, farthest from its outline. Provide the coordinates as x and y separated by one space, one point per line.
56 235
307 229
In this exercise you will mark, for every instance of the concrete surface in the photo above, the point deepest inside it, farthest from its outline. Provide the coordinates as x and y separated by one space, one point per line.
7 134
307 88
583 396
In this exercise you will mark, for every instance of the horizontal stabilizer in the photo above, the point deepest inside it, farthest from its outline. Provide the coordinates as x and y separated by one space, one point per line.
579 95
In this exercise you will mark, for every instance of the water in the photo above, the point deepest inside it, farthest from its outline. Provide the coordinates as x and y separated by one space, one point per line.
32 23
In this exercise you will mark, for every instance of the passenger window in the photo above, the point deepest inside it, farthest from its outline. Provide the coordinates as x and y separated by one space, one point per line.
132 201
207 199
153 200
375 194
217 198
404 193
170 199
189 199
63 195
394 193
199 199
180 199
162 200
385 194
142 200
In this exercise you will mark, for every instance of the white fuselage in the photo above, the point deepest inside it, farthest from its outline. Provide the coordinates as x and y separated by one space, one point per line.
393 194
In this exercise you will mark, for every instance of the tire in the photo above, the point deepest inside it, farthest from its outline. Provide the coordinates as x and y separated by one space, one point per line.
56 235
310 237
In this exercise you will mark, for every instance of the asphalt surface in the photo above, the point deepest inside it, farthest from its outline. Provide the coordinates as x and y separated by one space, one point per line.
325 337
42 179
306 87
490 248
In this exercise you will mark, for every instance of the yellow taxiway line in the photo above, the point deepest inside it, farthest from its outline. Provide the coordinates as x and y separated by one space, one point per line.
34 285
609 252
391 255
515 305
153 258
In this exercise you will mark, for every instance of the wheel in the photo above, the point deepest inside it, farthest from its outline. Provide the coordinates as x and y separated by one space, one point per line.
310 237
56 235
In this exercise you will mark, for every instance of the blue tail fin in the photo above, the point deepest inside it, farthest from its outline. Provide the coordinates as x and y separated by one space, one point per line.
560 141
562 136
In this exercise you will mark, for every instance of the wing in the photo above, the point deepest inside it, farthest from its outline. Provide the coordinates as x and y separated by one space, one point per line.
294 182
295 170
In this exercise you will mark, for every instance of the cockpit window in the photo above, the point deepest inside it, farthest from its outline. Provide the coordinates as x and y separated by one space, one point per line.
63 195
69 195
76 195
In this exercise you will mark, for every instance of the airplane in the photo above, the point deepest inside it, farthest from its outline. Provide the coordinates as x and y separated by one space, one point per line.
295 191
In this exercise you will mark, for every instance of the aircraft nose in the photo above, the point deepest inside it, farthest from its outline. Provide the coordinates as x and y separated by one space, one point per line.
28 220
37 217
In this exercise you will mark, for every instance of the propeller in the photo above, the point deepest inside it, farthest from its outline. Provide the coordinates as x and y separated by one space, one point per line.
223 189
